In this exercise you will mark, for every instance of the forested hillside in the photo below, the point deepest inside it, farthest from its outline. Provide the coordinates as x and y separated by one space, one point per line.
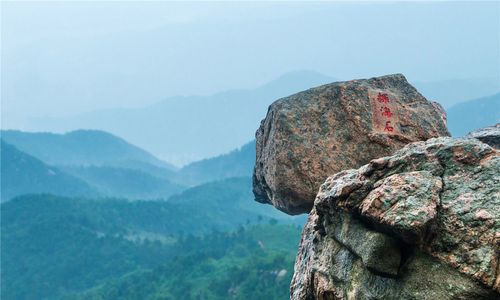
133 227
236 163
83 148
23 174
115 168
55 247
125 182
246 264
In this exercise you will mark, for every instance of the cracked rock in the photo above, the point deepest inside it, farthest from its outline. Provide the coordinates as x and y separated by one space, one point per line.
489 135
311 135
433 209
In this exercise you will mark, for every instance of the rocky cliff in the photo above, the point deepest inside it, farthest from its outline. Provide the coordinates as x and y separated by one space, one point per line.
421 221
420 224
319 132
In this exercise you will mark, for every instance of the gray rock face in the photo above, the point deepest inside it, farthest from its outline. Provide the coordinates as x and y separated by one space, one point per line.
311 135
489 135
423 223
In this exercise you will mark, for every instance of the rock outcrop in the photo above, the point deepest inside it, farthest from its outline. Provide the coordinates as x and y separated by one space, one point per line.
489 135
423 223
311 135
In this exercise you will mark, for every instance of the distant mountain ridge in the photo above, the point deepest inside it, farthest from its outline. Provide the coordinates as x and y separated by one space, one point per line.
83 147
104 163
186 129
454 91
109 165
120 169
24 174
474 114
237 163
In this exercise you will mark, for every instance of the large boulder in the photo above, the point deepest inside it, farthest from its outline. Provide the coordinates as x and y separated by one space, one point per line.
423 223
316 133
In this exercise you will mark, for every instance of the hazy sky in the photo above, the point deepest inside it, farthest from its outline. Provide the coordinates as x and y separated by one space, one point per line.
62 58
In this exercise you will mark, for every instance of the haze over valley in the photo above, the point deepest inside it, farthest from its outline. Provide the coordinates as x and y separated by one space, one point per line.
191 81
128 131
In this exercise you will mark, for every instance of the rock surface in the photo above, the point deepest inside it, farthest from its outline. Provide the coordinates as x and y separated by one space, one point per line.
489 135
423 223
311 135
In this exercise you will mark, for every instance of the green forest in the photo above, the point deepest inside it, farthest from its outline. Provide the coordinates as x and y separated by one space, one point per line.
87 215
76 248
112 222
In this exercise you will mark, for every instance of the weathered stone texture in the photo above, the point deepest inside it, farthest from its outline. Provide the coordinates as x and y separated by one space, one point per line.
423 223
311 135
489 135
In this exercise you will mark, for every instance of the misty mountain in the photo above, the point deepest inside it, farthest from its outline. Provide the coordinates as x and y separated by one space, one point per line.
474 114
141 55
462 118
229 200
185 129
108 164
452 92
86 148
124 183
24 174
237 163
188 128
115 168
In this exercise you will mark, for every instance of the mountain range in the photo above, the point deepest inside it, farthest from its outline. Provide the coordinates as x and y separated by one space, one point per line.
199 220
89 246
113 167
116 168
106 164
236 163
185 129
454 91
83 147
474 114
22 173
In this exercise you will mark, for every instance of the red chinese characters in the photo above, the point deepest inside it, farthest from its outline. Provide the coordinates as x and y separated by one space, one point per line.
388 126
382 98
386 111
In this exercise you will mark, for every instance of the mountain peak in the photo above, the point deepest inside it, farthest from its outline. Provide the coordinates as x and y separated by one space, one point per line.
78 147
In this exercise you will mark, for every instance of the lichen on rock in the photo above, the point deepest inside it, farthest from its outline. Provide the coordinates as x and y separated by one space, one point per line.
313 134
489 135
398 210
439 202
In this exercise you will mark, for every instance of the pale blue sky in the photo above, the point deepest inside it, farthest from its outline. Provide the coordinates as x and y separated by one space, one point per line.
63 58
